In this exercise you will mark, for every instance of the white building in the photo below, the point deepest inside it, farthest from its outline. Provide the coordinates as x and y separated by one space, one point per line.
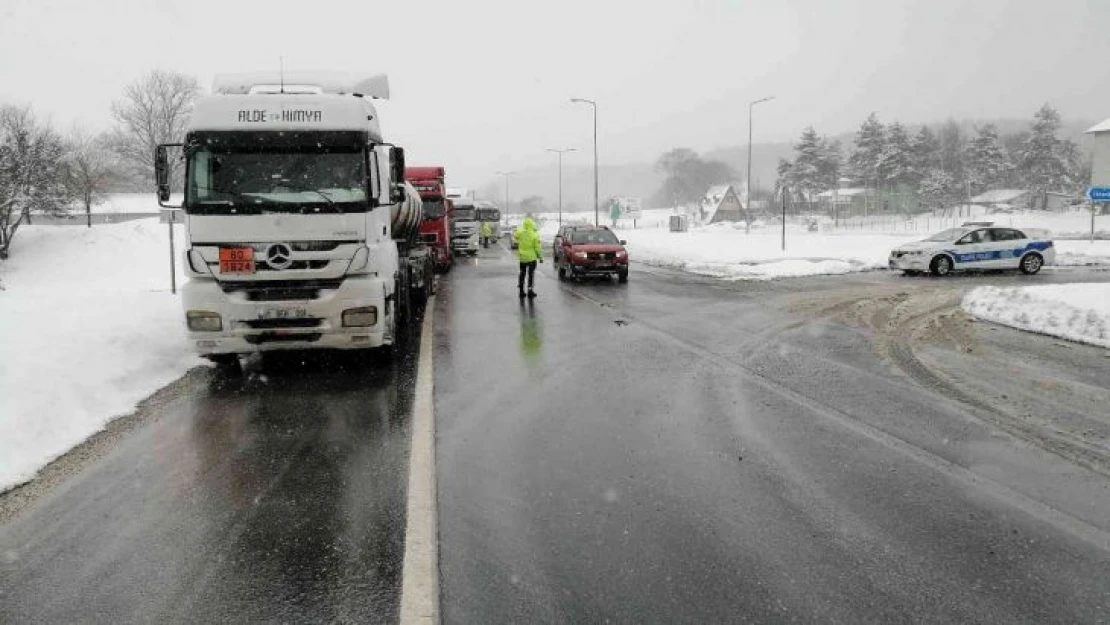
1100 170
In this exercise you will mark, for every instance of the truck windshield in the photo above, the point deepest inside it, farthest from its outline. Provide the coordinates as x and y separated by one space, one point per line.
289 177
433 209
465 214
489 214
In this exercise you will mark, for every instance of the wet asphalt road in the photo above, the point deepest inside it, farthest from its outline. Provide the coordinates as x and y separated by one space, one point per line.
677 449
681 450
278 496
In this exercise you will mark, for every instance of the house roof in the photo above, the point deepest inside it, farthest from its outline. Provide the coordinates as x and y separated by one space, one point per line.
1103 127
717 192
998 196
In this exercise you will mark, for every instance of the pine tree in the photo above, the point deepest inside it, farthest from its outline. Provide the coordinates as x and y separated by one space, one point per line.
896 165
951 150
987 165
808 162
926 151
870 142
1047 162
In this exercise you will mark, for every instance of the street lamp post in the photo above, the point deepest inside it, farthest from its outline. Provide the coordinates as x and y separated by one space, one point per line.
561 152
594 105
751 105
506 174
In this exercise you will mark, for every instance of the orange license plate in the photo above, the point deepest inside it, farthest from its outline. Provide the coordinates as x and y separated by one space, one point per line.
236 260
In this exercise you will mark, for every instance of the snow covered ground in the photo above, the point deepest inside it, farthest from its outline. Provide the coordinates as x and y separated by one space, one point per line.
1077 312
725 250
90 329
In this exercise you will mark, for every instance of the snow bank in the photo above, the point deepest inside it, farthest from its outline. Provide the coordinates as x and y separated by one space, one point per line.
90 329
723 251
1077 312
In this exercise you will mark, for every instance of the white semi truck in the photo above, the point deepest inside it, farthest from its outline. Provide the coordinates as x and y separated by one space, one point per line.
301 232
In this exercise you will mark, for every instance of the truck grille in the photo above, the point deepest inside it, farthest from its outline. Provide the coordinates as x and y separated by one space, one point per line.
281 290
270 324
273 337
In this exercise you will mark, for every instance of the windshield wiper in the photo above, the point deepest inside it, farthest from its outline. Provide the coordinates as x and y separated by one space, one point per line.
295 187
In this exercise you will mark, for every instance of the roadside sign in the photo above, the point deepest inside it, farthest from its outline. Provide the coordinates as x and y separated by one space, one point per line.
1098 194
629 207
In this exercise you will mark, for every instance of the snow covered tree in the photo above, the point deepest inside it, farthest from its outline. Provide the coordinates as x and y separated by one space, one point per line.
987 165
896 164
90 169
951 149
938 188
870 143
815 167
926 151
154 109
1048 163
32 171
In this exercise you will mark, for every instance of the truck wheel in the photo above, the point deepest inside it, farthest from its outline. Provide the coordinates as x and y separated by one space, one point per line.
1031 263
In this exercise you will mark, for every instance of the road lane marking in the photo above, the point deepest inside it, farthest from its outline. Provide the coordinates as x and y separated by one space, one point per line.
420 573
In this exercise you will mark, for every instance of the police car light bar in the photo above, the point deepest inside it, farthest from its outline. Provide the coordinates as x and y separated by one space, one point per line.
376 86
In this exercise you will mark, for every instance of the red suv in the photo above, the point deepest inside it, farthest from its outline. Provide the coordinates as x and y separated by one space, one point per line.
589 251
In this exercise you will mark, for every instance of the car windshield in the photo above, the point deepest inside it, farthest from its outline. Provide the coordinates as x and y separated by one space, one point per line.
948 235
593 237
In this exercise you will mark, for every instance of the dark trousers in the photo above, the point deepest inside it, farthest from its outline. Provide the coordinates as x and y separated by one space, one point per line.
530 269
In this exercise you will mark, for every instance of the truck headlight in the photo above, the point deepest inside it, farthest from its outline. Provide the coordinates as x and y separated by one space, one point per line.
360 317
203 321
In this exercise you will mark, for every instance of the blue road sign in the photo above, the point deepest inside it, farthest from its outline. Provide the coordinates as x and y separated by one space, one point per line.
1098 194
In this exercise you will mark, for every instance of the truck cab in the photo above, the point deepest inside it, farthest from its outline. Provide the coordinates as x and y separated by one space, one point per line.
435 230
466 229
298 220
489 214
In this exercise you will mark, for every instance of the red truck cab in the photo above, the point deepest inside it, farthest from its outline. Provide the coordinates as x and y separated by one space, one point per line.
435 230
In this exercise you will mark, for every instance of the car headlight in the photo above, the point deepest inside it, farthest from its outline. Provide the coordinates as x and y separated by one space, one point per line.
360 317
203 321
621 253
581 254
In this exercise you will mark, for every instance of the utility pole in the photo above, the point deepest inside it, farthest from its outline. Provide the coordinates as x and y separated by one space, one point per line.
751 105
506 174
593 104
561 152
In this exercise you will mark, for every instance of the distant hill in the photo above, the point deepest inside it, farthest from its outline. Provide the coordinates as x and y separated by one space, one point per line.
642 180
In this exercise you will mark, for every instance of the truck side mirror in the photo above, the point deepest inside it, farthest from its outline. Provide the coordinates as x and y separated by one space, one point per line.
162 173
396 174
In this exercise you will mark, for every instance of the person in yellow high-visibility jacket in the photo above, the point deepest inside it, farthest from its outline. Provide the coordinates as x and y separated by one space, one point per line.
529 252
487 233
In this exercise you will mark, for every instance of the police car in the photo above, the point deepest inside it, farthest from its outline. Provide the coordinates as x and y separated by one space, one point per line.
976 245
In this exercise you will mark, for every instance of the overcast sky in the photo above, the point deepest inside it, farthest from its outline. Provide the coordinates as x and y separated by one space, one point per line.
482 85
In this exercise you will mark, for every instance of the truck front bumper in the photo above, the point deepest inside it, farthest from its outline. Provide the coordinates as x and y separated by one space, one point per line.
466 244
256 326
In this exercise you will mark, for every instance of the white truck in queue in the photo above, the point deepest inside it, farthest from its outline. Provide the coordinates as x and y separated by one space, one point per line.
465 229
301 231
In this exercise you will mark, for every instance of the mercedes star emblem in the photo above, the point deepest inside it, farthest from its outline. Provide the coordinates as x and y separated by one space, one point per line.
279 256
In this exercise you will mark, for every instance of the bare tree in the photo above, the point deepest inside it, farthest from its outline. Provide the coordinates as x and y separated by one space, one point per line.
91 168
154 109
32 171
